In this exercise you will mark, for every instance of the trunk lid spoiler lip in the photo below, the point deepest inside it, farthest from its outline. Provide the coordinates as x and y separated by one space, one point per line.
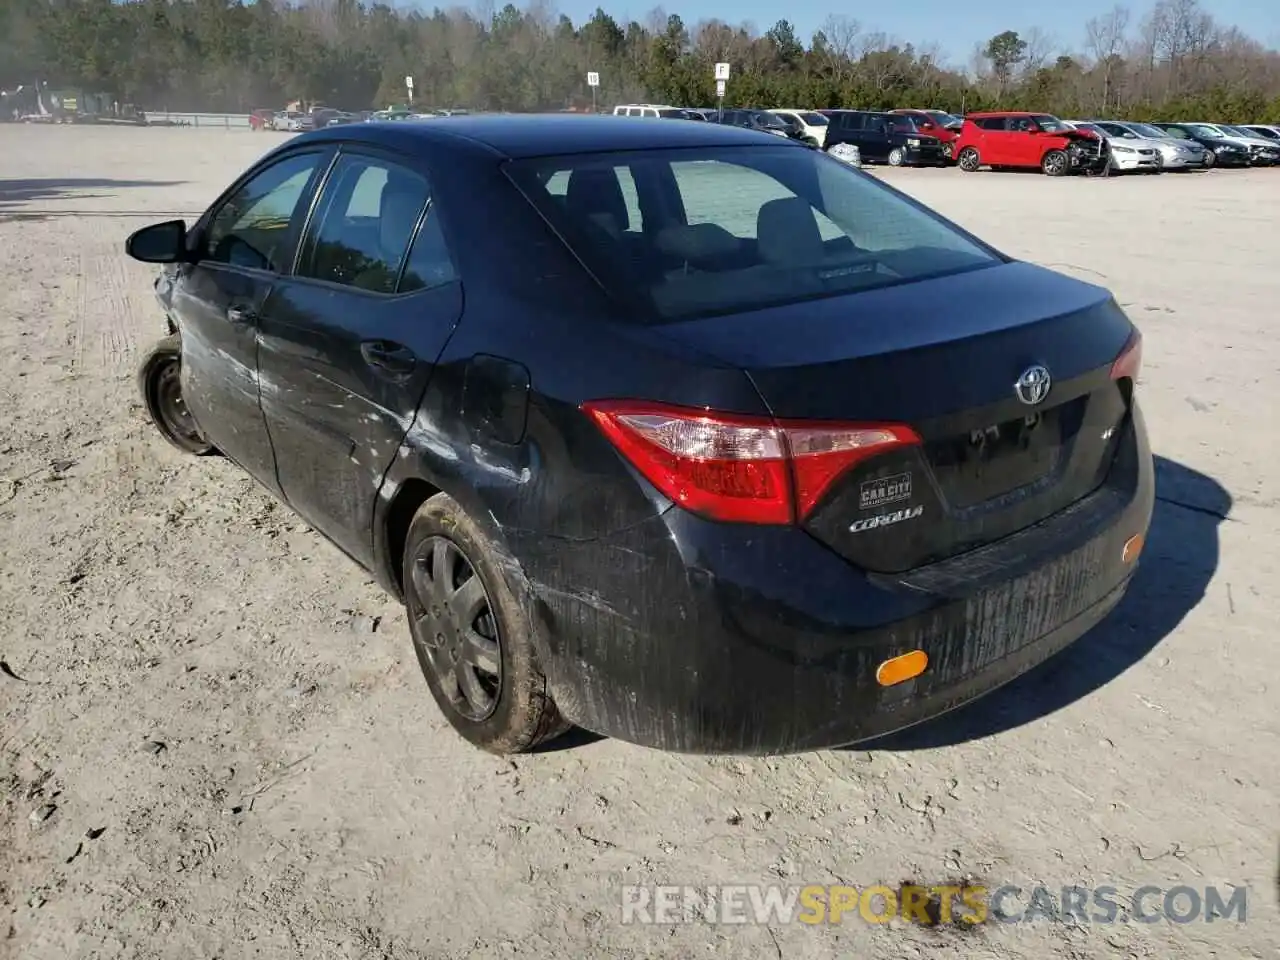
868 323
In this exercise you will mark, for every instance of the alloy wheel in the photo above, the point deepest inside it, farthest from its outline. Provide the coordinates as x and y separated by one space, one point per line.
455 628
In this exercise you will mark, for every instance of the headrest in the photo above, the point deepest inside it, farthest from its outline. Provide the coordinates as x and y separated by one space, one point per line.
787 232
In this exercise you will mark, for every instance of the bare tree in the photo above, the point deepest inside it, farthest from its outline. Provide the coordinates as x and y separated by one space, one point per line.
841 37
1105 39
1040 46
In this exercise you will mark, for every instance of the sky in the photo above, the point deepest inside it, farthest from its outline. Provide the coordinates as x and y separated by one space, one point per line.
954 25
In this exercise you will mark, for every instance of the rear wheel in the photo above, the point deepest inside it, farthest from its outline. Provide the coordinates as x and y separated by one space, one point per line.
896 157
1055 164
472 637
160 383
968 160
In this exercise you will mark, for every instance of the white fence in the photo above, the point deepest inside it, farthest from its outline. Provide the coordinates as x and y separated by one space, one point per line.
219 121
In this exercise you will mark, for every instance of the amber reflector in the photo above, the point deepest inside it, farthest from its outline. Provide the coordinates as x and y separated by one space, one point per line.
903 668
1132 547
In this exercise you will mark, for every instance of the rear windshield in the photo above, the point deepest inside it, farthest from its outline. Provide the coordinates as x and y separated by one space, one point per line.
694 232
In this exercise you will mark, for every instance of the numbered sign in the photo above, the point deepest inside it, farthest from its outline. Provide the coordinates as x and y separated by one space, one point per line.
720 88
722 71
593 79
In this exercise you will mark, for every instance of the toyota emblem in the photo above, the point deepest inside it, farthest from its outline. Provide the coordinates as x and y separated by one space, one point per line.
1033 386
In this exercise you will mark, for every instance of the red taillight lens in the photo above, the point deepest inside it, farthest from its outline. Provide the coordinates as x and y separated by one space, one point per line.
737 468
1129 362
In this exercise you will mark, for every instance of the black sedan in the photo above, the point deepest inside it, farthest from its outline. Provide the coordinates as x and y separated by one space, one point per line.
653 427
1219 152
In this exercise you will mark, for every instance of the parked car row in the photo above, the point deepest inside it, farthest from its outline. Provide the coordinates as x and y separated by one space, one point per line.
1001 140
300 121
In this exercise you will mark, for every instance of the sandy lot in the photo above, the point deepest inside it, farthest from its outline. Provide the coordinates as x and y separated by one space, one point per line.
216 742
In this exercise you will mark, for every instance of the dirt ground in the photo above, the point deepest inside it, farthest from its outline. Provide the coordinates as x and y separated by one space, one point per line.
216 742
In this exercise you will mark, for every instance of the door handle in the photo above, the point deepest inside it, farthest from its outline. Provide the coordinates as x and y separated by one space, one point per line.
241 315
389 357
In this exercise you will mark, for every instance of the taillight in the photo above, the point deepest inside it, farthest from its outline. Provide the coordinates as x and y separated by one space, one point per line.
1129 362
739 468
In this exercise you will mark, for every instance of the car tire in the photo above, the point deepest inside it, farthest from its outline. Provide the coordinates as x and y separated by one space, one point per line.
491 690
159 382
897 157
1210 158
969 160
1055 164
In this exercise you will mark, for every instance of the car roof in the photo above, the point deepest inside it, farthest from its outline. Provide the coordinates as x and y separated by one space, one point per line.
515 136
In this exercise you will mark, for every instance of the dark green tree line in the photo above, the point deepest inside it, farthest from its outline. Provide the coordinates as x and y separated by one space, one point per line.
227 55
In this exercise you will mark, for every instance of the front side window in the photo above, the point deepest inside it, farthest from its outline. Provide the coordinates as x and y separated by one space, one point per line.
363 224
754 227
252 229
1049 124
814 119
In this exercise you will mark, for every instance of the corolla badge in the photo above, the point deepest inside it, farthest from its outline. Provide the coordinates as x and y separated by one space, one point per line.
1033 385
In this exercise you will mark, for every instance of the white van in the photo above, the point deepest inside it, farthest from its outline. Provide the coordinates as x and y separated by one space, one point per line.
650 110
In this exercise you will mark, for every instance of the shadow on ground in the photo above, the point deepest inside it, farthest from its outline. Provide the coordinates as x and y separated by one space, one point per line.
1178 561
25 191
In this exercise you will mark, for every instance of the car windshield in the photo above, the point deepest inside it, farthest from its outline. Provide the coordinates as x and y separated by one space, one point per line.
1238 132
1264 132
770 120
1050 124
944 119
1091 127
1146 130
814 119
754 227
1200 130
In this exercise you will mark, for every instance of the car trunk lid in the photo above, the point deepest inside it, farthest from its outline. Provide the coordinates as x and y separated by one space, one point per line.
944 357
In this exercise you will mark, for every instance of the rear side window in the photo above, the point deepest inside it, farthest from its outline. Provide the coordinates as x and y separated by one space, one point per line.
364 226
991 123
733 229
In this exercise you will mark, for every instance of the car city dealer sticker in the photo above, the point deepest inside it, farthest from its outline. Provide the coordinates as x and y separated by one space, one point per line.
886 490
885 519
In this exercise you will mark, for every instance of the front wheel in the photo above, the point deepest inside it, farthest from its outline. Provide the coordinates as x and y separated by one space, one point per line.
968 160
1055 164
1210 158
471 635
896 157
160 383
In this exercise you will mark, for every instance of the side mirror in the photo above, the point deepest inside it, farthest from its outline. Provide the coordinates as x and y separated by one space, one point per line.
159 243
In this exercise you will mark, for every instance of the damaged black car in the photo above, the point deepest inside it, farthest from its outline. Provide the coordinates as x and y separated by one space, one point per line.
651 426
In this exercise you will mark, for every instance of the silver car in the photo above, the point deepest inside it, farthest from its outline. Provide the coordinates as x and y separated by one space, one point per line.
1175 153
1128 154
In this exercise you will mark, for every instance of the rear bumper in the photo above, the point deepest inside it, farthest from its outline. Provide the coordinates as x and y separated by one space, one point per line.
699 637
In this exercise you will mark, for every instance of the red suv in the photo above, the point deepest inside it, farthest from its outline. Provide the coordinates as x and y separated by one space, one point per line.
1010 139
935 123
